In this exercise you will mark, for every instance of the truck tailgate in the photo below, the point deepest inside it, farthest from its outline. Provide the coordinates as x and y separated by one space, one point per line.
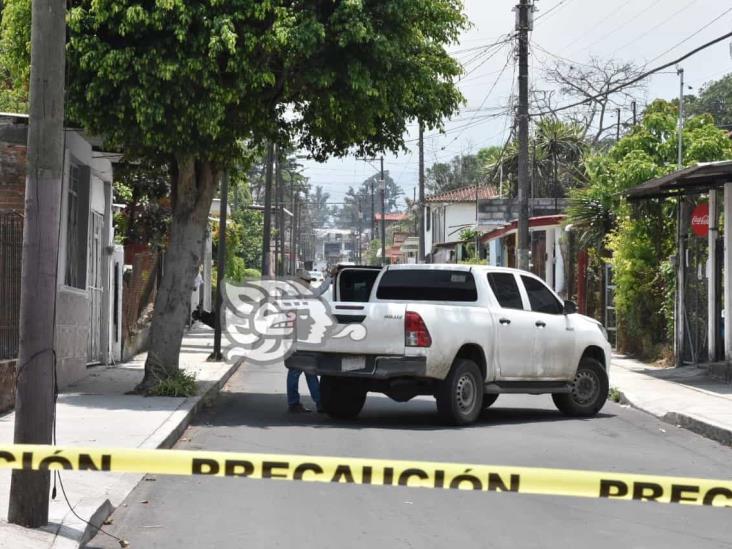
364 329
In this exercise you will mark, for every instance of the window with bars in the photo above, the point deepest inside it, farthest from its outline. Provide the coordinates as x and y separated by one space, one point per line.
77 225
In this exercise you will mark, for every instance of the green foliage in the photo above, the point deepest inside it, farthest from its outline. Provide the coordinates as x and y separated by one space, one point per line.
144 189
469 234
715 98
641 237
193 78
474 261
357 203
15 31
462 171
180 384
372 254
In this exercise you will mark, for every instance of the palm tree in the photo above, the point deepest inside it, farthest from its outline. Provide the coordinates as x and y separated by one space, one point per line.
559 149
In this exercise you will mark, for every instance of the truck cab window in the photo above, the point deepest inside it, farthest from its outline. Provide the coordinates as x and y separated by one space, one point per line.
506 290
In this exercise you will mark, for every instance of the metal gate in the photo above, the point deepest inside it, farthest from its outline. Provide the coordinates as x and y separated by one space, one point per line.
95 287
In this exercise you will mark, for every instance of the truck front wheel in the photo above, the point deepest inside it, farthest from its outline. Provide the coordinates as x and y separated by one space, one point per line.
589 391
460 395
341 398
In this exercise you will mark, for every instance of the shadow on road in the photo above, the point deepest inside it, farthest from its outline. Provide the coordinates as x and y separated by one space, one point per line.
266 410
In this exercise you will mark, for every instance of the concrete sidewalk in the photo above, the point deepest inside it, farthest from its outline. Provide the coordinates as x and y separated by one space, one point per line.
97 412
686 397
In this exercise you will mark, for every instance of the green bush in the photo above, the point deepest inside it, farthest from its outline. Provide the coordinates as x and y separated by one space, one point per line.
182 384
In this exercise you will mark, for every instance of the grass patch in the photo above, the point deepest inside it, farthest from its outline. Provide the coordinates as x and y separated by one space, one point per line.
181 384
614 394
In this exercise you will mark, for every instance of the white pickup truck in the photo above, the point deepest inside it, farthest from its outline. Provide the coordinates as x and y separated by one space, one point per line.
464 334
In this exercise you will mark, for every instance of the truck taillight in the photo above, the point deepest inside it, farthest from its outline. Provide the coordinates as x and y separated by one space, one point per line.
415 331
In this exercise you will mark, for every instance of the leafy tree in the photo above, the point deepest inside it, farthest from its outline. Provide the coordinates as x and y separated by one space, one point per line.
357 203
188 82
462 171
318 206
15 55
715 98
641 237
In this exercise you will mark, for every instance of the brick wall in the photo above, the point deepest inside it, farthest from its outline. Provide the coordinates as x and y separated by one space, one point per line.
7 385
12 176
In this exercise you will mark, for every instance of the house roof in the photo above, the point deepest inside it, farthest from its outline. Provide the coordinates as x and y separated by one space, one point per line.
464 194
392 216
534 222
689 180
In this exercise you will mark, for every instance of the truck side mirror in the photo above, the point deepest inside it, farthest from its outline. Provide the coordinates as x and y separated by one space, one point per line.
570 307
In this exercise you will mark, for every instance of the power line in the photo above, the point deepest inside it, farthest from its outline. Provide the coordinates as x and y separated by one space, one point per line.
490 91
637 78
646 32
550 10
624 23
725 12
592 28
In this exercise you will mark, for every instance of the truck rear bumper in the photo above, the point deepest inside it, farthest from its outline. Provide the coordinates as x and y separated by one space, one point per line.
373 366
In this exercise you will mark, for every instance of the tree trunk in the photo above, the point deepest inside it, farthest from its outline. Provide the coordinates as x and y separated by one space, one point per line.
194 183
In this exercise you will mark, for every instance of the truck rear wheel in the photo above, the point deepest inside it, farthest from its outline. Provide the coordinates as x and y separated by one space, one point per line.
341 398
589 390
460 394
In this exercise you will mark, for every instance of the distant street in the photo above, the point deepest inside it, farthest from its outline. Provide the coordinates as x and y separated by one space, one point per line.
250 415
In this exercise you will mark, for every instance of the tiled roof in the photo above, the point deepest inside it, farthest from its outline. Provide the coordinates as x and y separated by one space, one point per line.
464 194
393 216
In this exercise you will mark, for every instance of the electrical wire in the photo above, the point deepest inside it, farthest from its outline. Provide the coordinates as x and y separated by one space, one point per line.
632 81
725 12
592 28
549 11
624 23
657 26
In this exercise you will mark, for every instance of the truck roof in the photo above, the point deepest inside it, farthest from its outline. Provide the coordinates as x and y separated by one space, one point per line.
453 267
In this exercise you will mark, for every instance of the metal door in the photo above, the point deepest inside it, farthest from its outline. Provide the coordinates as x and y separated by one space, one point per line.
95 287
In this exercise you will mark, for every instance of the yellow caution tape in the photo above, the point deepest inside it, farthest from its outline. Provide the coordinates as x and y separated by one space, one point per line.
380 472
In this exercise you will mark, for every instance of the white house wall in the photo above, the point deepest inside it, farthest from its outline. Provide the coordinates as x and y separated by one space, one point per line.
72 317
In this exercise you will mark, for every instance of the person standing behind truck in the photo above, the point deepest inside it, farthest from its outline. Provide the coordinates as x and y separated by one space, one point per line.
294 405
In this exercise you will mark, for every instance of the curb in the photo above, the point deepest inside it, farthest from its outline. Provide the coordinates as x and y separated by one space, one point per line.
683 421
105 509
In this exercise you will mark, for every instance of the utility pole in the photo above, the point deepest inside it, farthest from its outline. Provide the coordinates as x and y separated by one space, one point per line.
382 188
634 107
523 26
220 266
35 387
680 72
420 204
267 225
617 126
360 220
373 213
293 198
682 220
280 215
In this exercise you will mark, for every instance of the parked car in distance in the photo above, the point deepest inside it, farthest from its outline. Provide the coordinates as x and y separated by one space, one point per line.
463 334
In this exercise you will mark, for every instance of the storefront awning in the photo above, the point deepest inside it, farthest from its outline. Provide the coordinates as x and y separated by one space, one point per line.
692 180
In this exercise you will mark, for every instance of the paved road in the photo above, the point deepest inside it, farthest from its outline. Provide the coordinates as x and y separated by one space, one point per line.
250 415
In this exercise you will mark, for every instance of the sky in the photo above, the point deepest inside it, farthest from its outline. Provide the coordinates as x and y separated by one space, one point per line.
646 32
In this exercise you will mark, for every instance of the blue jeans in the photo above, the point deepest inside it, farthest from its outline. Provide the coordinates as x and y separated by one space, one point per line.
293 379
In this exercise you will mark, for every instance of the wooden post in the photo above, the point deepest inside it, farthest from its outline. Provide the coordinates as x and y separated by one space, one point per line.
34 400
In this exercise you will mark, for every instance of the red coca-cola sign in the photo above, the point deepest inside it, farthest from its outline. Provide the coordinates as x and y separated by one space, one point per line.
700 220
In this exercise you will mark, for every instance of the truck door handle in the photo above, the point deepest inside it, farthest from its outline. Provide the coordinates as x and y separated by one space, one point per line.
505 321
540 324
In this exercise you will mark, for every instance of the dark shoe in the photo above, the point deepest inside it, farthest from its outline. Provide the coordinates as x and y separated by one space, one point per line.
298 409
